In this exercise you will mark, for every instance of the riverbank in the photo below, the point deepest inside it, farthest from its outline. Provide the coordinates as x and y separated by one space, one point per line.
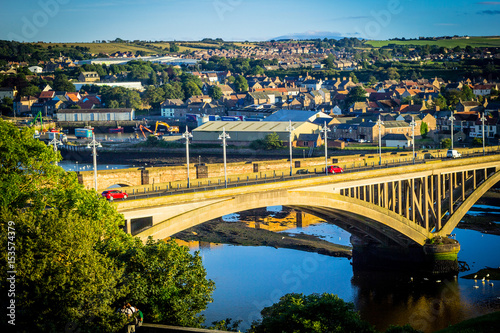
487 221
238 233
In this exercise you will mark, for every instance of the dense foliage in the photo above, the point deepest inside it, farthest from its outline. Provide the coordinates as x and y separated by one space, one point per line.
75 266
323 313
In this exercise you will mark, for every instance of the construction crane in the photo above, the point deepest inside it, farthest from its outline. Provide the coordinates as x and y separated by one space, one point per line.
170 129
38 115
142 128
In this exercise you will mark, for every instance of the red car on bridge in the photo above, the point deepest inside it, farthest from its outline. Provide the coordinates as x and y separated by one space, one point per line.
335 169
114 194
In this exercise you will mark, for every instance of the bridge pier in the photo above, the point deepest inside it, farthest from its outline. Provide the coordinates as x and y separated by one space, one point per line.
436 258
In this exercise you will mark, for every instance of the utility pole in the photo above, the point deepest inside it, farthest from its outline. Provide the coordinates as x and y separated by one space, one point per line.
186 135
224 136
94 144
482 121
452 130
290 130
325 131
379 123
413 124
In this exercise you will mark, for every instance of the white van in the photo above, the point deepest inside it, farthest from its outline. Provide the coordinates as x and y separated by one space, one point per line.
452 153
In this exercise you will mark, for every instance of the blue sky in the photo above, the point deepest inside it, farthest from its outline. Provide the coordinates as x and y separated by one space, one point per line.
85 21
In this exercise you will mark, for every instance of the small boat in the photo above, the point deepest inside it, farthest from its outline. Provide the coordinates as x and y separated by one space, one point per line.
116 130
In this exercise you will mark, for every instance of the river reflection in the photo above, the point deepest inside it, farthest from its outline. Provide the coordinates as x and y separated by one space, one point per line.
250 278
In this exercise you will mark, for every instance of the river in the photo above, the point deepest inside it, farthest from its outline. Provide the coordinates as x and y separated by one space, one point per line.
250 278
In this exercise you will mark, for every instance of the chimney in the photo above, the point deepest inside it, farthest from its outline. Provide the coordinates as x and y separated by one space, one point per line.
343 78
438 108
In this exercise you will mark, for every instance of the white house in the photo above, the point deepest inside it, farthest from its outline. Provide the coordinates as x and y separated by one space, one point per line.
35 69
396 140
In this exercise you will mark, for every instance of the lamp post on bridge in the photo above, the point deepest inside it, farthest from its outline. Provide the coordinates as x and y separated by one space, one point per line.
482 122
55 143
94 144
325 131
186 135
413 124
290 130
452 130
379 123
224 136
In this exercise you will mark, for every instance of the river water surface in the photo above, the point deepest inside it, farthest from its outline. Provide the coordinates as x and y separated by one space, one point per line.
250 278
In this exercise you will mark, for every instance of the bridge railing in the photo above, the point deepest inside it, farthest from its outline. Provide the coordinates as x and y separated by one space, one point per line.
208 185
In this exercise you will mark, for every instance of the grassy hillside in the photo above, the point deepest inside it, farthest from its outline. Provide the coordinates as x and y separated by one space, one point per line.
105 47
448 43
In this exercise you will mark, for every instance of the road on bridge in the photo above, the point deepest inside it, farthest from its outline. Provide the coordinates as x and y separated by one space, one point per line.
283 177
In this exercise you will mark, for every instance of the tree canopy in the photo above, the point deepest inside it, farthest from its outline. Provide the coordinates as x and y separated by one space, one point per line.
298 313
75 265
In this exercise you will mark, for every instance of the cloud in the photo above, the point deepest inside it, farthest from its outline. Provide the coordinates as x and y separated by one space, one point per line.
489 12
494 3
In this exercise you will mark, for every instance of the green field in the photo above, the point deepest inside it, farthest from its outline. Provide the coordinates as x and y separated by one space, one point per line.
97 48
448 43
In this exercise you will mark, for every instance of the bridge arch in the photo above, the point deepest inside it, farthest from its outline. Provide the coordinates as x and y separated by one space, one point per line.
460 212
370 220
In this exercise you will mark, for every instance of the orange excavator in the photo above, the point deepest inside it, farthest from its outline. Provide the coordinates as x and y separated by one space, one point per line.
170 129
142 128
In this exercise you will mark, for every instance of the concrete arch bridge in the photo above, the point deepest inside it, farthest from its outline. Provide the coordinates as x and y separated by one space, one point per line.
402 206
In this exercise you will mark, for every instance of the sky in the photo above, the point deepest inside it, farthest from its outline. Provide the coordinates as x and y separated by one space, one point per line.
241 20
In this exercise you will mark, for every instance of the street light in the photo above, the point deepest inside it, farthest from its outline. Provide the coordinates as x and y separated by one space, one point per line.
413 124
452 119
325 131
186 135
379 123
290 129
94 144
482 121
55 143
224 136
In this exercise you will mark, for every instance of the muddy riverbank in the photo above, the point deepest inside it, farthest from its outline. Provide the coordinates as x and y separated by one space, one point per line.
238 233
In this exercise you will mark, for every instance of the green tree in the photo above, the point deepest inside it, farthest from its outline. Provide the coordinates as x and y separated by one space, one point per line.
154 96
191 89
174 47
215 92
61 83
309 314
74 263
477 142
467 93
424 129
357 94
173 90
441 102
241 84
175 289
391 74
59 226
113 104
372 80
446 143
353 77
6 106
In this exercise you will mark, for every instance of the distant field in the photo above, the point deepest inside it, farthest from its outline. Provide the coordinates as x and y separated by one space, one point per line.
448 43
104 47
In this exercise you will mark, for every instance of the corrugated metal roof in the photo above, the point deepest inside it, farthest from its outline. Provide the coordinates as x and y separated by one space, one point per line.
246 126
